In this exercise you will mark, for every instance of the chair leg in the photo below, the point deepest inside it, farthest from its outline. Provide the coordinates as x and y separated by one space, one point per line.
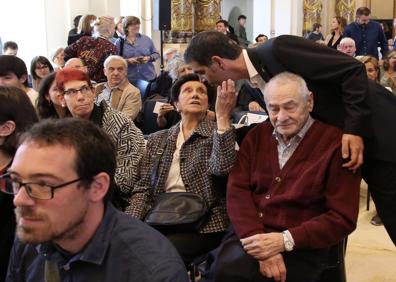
368 199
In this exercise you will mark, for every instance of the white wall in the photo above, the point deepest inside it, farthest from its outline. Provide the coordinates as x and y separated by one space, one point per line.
261 17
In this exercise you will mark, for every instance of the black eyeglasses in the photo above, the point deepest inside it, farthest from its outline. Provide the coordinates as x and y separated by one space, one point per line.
41 191
84 90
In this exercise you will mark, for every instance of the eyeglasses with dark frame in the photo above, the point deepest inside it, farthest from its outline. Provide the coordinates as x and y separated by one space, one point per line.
85 89
40 191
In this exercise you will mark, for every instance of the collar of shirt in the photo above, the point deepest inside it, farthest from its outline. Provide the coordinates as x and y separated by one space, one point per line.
298 137
255 80
96 249
121 86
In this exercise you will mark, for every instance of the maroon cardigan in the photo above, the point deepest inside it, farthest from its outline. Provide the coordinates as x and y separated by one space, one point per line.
312 196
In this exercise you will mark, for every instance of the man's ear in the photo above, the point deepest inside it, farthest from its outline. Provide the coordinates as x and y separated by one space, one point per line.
7 128
99 187
23 79
105 71
219 61
310 101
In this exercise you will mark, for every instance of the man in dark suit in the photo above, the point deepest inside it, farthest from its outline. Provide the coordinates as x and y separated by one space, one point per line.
343 96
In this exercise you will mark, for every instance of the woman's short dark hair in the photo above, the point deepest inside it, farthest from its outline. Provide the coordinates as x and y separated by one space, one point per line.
206 44
14 65
177 85
95 151
39 60
15 106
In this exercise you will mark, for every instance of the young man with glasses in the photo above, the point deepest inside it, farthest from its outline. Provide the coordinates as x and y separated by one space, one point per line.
62 177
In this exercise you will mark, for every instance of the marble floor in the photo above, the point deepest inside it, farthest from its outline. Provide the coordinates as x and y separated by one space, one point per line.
371 255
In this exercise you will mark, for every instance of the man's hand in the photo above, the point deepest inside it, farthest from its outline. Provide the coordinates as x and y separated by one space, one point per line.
274 267
263 246
255 107
352 147
225 104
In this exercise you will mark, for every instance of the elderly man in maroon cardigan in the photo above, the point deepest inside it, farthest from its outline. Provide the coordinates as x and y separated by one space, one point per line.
289 198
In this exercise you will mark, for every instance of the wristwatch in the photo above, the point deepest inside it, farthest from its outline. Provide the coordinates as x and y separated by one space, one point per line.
288 241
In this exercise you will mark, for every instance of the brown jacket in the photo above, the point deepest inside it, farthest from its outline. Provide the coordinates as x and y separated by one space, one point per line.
125 98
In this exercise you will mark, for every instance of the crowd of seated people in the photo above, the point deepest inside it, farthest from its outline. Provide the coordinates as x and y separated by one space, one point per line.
93 80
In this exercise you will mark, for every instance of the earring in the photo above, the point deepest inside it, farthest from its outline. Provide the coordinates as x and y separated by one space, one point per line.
63 105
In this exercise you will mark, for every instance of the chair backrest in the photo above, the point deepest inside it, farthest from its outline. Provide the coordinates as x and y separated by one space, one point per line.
142 85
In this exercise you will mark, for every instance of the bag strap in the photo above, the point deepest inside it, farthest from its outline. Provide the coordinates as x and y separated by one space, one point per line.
121 46
154 171
51 272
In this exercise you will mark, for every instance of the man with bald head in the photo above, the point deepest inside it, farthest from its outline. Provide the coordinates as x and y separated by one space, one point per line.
118 92
76 63
288 197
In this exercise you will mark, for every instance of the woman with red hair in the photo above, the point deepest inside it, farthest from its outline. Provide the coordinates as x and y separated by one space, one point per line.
78 96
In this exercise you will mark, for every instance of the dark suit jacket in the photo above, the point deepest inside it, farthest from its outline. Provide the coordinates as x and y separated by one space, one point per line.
342 94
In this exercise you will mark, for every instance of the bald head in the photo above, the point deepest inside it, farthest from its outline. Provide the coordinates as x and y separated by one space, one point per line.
76 63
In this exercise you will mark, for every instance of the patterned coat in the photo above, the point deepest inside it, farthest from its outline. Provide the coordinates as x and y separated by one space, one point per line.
204 154
93 51
130 147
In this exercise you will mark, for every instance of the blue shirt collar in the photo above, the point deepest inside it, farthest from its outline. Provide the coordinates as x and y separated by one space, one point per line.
95 251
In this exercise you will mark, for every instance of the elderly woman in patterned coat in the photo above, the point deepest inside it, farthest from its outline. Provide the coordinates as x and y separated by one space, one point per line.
78 96
195 150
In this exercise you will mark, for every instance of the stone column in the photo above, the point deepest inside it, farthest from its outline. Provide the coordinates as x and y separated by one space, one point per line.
346 9
312 11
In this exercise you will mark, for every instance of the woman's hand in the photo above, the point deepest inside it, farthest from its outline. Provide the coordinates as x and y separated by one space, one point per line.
165 108
225 104
133 60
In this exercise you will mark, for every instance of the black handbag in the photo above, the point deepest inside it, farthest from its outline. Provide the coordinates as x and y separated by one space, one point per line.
175 211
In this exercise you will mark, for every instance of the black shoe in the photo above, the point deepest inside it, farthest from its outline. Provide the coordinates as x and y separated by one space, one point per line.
376 220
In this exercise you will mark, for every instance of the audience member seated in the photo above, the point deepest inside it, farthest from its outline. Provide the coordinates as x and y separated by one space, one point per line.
261 39
10 48
246 100
316 33
138 50
222 26
13 72
167 114
39 68
62 179
78 96
118 92
49 102
388 78
58 58
289 197
94 50
371 65
193 151
347 46
337 28
85 28
16 115
76 63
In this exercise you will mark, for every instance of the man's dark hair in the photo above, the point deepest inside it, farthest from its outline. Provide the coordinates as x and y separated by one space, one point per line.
224 22
242 17
15 106
10 45
95 151
39 60
13 64
363 11
316 26
177 85
260 35
76 21
211 43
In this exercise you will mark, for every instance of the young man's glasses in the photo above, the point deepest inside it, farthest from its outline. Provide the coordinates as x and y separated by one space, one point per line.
84 90
41 190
